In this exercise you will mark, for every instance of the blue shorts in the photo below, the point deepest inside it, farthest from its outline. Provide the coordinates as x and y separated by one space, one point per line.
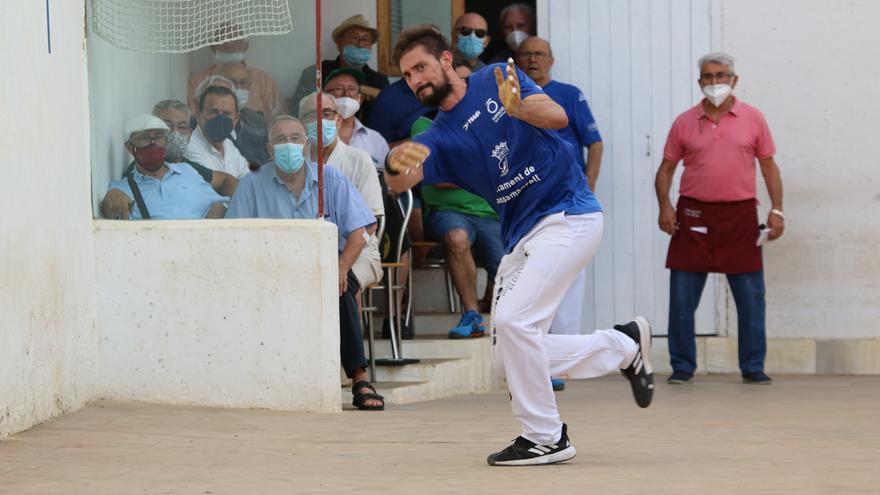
483 232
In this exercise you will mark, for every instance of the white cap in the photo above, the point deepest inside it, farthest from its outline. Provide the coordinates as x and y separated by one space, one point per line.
144 122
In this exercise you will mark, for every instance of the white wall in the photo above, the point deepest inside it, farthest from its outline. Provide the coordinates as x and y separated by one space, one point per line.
236 313
47 328
810 67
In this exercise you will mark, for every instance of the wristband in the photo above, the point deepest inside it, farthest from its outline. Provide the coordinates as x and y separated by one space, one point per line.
778 213
388 169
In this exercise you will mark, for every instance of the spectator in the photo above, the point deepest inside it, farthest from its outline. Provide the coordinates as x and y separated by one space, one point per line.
176 116
517 23
210 144
535 58
168 191
357 166
289 189
345 86
250 130
264 96
714 226
395 110
470 37
354 39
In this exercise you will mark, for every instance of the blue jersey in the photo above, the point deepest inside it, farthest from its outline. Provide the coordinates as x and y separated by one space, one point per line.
582 130
523 172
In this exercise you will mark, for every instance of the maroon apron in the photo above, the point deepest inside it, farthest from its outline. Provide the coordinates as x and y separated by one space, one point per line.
715 237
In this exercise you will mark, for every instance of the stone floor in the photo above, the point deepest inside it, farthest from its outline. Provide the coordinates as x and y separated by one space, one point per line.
801 435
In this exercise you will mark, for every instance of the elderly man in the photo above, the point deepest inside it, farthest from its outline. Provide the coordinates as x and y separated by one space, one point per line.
176 116
470 36
250 130
288 188
535 58
210 144
264 95
354 39
156 189
345 86
714 226
357 166
517 22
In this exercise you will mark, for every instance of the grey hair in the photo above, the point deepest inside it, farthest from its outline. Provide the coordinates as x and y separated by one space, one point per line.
523 7
311 97
173 104
209 81
718 58
282 118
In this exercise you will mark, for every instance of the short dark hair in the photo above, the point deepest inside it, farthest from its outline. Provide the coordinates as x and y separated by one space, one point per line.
219 91
425 35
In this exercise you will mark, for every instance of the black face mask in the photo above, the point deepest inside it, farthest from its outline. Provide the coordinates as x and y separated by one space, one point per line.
218 129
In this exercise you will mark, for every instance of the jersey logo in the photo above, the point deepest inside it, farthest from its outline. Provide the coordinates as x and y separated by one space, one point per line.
500 153
495 109
471 120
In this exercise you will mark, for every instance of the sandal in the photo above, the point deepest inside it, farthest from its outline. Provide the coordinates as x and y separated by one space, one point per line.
360 398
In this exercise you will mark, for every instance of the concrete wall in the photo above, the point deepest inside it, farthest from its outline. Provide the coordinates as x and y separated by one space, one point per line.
47 329
225 313
808 66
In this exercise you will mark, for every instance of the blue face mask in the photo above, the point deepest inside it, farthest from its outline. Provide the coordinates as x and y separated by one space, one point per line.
470 46
289 157
328 131
355 55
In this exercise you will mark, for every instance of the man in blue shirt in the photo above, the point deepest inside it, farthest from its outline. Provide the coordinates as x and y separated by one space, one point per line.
287 187
169 191
535 58
551 225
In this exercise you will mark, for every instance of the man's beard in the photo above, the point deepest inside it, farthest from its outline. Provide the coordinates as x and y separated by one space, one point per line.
440 93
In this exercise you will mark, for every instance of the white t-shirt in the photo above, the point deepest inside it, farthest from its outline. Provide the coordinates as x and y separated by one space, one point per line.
230 161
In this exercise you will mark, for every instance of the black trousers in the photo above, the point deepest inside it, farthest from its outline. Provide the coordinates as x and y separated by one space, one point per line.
351 336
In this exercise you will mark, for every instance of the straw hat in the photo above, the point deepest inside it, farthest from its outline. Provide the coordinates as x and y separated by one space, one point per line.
354 21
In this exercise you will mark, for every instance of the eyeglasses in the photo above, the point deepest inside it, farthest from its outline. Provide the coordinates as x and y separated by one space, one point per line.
327 113
466 31
716 77
339 91
182 127
362 41
144 140
535 55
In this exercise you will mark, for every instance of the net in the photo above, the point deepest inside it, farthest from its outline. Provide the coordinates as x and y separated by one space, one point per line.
176 26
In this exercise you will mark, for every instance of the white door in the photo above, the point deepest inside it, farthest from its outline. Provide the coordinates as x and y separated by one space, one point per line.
635 60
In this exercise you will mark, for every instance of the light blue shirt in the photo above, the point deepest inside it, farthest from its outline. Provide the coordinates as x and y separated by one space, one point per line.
179 195
262 194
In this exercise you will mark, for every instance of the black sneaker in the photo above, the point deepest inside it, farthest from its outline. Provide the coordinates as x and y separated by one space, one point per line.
679 378
525 453
757 378
639 373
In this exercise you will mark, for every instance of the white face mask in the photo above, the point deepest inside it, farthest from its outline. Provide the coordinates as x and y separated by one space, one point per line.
515 38
227 57
242 95
717 93
347 106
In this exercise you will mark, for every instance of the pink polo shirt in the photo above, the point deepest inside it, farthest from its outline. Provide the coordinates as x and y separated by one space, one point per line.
719 159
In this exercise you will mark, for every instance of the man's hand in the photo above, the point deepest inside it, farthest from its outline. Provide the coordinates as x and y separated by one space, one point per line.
667 220
408 156
509 91
343 278
776 224
116 205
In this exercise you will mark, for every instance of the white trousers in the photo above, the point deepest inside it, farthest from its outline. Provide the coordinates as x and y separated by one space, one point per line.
530 284
568 317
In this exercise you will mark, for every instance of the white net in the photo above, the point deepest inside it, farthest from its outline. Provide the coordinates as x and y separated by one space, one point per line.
176 26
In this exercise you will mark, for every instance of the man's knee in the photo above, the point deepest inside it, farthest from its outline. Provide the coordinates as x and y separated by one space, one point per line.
457 240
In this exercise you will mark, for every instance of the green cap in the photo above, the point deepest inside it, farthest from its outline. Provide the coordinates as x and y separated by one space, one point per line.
356 73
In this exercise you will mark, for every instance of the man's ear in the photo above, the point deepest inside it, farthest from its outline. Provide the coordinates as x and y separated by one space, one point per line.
270 149
486 40
734 82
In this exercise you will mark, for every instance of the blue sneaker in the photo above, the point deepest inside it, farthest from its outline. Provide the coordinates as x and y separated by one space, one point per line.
558 384
470 325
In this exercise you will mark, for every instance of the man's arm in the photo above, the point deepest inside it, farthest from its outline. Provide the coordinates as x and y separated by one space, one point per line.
536 109
224 183
218 210
773 179
115 205
663 183
354 244
594 161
